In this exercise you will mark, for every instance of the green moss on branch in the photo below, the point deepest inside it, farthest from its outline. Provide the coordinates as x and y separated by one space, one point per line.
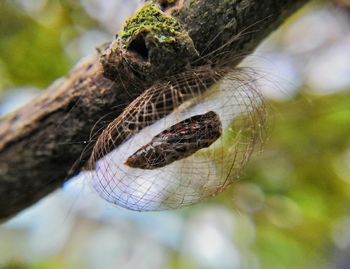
151 42
151 19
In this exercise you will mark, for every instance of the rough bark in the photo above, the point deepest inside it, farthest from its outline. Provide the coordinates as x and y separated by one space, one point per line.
48 141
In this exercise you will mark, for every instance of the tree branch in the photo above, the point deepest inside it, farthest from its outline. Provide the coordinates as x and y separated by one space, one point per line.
49 140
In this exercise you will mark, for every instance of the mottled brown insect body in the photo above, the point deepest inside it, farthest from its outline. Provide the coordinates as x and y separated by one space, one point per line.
177 142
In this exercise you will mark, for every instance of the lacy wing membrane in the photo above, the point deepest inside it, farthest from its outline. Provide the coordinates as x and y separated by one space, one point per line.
193 176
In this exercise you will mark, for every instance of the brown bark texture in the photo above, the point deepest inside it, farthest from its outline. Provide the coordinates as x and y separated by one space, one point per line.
50 140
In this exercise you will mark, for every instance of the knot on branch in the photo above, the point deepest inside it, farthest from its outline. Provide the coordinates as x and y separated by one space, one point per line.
152 44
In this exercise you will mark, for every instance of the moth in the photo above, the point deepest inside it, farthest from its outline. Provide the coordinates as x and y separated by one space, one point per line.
182 141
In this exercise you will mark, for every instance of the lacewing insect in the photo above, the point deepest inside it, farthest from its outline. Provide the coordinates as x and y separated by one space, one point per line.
177 142
180 142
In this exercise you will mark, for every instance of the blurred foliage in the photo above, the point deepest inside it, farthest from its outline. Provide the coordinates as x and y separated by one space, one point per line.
32 48
298 169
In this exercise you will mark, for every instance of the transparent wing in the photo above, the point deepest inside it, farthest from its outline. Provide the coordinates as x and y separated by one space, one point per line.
199 172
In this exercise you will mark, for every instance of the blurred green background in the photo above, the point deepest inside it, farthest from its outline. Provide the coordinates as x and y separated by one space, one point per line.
290 209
